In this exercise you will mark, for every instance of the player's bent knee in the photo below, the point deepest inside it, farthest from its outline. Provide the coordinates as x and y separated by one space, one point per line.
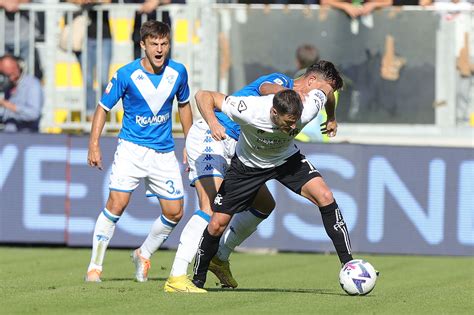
215 228
325 198
116 207
174 215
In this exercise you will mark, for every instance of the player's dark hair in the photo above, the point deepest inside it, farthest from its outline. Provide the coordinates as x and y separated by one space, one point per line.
154 29
306 55
328 72
288 102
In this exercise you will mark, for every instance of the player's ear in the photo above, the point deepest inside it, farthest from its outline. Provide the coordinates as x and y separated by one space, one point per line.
142 44
311 80
273 112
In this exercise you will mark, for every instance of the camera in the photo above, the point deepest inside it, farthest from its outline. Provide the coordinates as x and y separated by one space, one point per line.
5 83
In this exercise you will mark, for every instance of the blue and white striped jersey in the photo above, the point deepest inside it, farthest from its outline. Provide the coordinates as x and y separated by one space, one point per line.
147 100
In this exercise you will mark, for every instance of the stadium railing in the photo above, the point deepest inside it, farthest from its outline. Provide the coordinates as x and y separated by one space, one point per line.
430 102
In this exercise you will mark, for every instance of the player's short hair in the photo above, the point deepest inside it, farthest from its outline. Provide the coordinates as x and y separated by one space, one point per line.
306 55
328 72
154 29
288 102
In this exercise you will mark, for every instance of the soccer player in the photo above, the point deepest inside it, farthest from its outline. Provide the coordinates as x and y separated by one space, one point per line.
208 159
145 149
265 151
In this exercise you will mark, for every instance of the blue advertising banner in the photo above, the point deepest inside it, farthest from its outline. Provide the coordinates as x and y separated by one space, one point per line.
395 199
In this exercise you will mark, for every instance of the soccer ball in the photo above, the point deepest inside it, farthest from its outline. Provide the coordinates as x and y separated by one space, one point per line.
357 277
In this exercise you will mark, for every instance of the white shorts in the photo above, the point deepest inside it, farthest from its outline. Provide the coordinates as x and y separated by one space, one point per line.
160 170
206 156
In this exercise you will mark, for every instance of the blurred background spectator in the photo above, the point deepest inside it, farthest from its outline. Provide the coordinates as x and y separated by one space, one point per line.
306 55
356 8
21 97
11 8
102 74
447 4
148 9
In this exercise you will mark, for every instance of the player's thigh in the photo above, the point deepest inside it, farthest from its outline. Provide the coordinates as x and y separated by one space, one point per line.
128 167
206 189
164 177
264 201
318 192
117 202
299 175
240 187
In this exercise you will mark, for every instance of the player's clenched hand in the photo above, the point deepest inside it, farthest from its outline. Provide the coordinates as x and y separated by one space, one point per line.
329 127
217 131
94 157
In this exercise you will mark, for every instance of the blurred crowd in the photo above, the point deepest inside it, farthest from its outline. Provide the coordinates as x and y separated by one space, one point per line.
19 113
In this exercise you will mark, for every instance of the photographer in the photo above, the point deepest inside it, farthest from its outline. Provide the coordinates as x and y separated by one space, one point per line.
21 97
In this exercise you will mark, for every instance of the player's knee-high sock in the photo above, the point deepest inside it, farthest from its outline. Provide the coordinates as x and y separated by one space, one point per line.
208 246
103 232
243 224
337 230
160 231
189 243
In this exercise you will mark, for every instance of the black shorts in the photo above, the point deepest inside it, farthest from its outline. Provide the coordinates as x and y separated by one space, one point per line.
241 183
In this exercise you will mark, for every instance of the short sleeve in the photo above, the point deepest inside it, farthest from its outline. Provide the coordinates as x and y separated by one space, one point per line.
313 103
277 78
113 92
183 90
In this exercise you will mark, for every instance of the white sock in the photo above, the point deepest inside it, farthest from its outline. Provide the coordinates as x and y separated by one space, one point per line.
243 224
103 232
189 243
160 231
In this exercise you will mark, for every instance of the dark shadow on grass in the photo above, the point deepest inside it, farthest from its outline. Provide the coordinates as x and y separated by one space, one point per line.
131 279
278 290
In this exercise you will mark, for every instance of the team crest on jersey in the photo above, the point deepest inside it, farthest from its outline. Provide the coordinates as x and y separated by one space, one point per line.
278 81
242 106
109 87
170 78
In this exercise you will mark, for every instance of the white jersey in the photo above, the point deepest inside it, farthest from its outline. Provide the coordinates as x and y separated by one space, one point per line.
261 144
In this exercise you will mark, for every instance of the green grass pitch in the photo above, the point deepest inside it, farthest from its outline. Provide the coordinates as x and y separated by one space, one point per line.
50 280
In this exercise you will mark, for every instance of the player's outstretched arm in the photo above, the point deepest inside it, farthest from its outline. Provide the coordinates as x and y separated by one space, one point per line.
94 156
206 102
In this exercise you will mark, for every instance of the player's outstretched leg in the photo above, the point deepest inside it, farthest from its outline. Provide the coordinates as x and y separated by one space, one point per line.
160 230
243 225
337 230
103 232
188 245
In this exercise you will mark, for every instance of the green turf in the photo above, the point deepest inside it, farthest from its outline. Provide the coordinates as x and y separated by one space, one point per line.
50 280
